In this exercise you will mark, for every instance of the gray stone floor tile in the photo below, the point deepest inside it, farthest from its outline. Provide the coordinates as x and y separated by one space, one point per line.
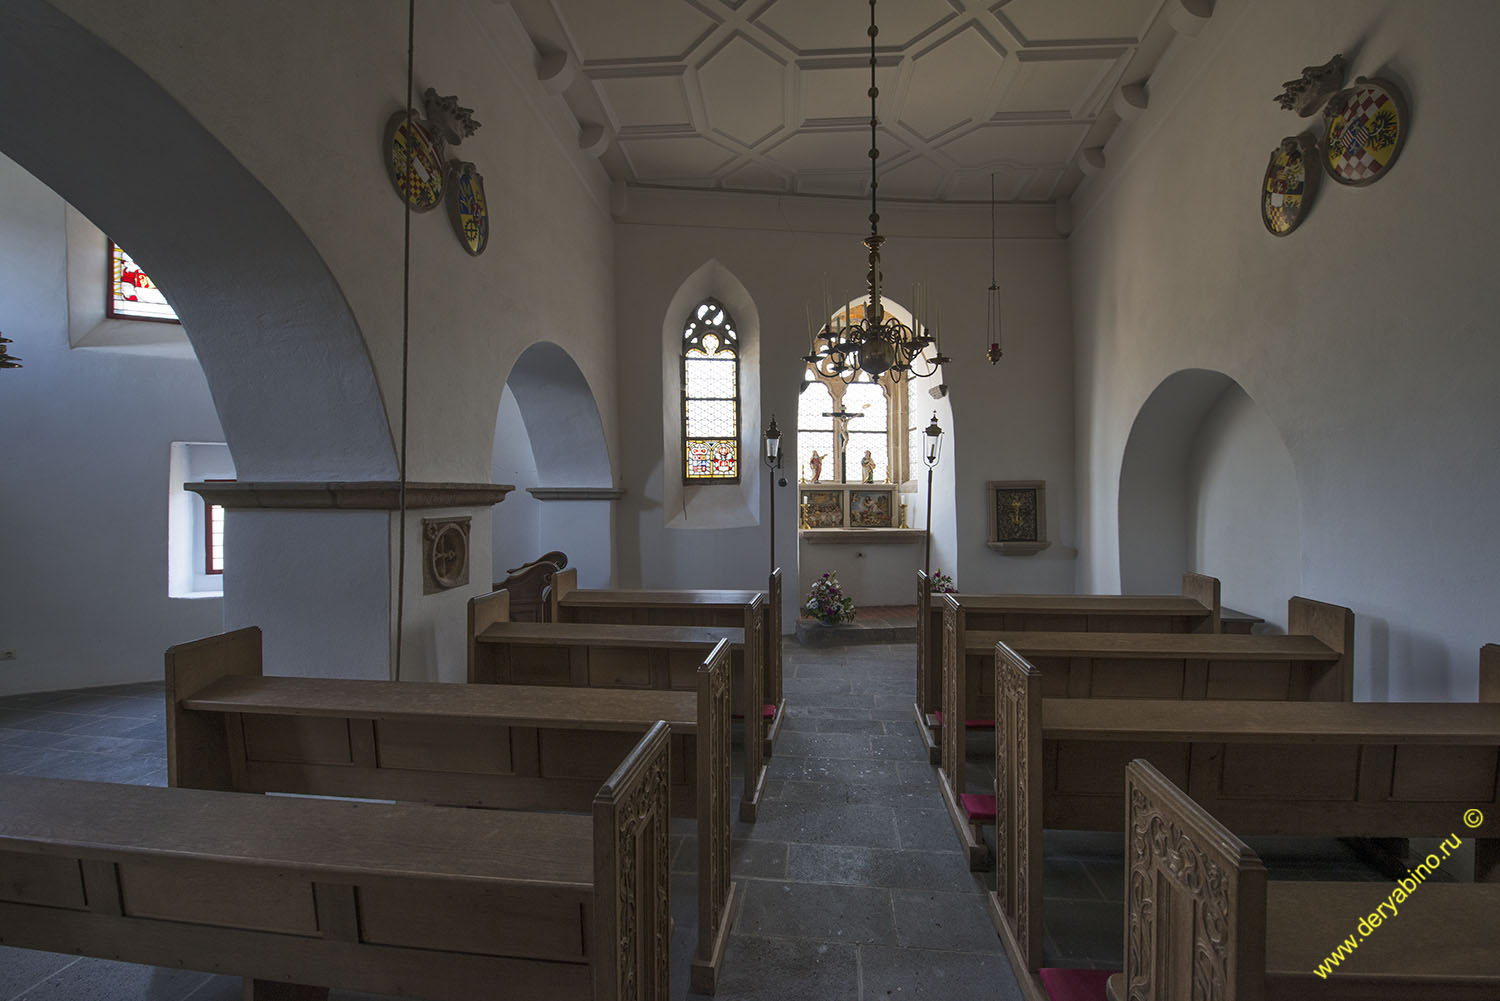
927 830
1068 879
23 969
868 727
824 745
901 746
825 824
817 912
831 864
806 791
104 978
909 796
856 771
1087 930
924 975
781 969
957 922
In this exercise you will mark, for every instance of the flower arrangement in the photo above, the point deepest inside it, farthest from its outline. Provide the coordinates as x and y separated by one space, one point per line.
827 603
941 582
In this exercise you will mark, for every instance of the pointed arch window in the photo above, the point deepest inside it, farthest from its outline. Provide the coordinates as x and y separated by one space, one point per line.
710 395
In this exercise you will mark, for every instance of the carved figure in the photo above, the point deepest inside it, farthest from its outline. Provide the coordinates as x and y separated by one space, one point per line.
868 465
815 461
1307 94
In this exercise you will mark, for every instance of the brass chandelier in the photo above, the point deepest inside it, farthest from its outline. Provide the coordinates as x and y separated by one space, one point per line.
875 343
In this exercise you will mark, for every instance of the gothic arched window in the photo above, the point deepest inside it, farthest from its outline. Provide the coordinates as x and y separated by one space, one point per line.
710 396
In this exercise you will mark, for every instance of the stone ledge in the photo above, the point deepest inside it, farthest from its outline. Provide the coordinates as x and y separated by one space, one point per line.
576 493
348 495
860 535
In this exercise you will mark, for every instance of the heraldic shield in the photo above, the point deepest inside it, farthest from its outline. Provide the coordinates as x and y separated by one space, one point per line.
467 208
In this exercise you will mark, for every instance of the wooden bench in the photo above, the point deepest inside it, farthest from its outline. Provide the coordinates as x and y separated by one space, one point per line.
1196 610
229 728
1200 910
755 612
1325 769
1315 661
593 655
527 586
421 901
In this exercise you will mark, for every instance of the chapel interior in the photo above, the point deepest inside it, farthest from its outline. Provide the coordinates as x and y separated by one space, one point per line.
1182 368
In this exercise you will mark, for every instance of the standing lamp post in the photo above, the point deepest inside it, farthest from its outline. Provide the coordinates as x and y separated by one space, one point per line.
773 463
931 449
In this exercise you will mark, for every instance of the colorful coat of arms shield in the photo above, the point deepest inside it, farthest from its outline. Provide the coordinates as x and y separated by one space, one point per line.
414 160
1366 128
467 208
1288 186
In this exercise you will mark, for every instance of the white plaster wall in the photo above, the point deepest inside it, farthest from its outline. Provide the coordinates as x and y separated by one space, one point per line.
1367 335
585 531
83 484
1013 421
514 522
299 95
1243 509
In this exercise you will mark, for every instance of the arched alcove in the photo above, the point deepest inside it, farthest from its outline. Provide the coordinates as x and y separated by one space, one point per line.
880 571
549 439
716 505
1207 484
264 315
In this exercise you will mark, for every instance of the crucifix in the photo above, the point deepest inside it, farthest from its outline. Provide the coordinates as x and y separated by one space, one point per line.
841 419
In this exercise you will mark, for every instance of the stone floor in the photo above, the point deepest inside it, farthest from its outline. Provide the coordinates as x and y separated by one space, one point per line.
853 887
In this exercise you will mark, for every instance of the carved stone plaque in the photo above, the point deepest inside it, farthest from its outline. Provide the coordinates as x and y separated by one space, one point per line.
445 554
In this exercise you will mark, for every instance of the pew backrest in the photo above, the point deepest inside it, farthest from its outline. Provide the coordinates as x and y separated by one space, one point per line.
367 896
1197 898
1489 672
1204 590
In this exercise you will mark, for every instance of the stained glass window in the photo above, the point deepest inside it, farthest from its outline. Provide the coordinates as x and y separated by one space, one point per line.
710 395
133 295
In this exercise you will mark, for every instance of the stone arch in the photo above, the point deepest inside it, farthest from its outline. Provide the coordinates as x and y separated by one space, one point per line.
1207 484
265 316
559 443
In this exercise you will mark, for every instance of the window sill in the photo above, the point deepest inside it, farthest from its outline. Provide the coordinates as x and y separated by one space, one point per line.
860 535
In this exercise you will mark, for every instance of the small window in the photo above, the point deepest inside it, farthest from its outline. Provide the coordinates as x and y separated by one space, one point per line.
213 536
132 295
710 396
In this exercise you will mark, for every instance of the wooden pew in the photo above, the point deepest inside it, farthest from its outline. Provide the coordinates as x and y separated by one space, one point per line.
756 613
1200 909
229 728
424 901
594 655
527 586
1196 610
1327 769
1314 661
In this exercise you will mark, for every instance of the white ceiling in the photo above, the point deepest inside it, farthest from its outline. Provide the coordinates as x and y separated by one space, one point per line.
770 95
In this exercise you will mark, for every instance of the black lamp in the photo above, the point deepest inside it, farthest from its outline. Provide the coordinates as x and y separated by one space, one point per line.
772 460
932 448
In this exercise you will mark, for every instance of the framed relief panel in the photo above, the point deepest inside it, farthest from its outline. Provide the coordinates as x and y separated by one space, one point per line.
1017 516
870 508
822 509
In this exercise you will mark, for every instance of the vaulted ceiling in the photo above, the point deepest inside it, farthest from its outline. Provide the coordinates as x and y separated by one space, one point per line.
770 95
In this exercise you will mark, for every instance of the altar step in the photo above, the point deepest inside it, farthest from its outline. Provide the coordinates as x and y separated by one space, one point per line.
872 624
